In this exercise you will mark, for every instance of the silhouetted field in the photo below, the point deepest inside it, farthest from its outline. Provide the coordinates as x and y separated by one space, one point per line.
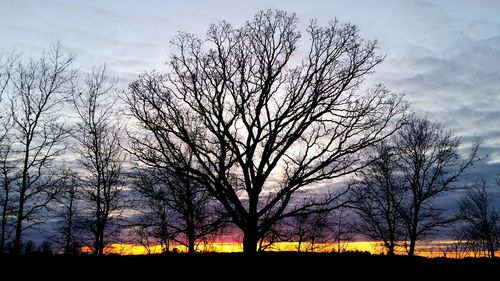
266 266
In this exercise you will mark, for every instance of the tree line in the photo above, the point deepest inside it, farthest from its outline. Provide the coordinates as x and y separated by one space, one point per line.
250 130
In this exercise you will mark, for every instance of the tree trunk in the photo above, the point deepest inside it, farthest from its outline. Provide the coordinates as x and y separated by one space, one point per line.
98 215
250 241
22 193
96 239
101 240
4 219
413 231
191 245
190 237
491 246
390 249
19 223
69 229
413 240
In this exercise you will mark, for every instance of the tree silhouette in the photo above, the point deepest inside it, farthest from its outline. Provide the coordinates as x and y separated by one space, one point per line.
481 232
310 229
156 218
68 214
183 205
343 229
261 122
38 89
9 174
429 163
100 154
377 195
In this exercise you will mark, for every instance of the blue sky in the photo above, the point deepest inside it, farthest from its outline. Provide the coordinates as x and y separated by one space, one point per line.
443 55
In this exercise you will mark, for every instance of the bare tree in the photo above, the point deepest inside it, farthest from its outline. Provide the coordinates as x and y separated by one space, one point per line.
430 162
377 195
100 153
9 174
481 231
156 217
198 214
342 228
39 88
68 214
310 229
260 123
194 214
8 164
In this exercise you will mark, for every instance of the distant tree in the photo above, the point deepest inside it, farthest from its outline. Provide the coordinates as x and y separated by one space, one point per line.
155 218
98 136
342 229
310 229
377 195
194 214
141 234
481 232
45 248
429 162
39 89
68 214
262 124
198 215
29 247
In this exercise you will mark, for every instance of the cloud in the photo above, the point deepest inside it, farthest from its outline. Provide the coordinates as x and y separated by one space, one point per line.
442 54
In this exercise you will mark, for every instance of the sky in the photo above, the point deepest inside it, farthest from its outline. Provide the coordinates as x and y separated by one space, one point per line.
444 56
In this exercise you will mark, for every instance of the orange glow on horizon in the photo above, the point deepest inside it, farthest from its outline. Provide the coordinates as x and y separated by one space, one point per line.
427 249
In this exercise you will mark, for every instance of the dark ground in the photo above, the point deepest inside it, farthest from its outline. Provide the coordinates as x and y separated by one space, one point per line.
277 266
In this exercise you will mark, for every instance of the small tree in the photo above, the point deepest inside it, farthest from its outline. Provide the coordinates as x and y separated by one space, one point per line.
68 214
429 162
155 218
377 196
481 231
183 205
342 228
100 153
309 229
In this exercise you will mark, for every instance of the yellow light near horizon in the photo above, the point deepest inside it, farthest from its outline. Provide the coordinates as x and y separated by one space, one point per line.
430 249
227 247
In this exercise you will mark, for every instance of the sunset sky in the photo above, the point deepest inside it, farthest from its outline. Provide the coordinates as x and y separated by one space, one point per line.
443 55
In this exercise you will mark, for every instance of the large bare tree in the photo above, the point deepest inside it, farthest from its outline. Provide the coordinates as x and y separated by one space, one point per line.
262 121
98 136
377 194
430 163
39 89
